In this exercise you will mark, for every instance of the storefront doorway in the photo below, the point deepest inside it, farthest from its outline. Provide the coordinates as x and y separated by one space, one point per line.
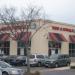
54 47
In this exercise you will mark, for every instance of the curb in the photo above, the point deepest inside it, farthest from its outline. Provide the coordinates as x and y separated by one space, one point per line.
54 69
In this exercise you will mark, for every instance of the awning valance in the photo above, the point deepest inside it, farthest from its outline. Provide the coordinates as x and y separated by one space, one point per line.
26 36
57 37
72 38
4 37
22 36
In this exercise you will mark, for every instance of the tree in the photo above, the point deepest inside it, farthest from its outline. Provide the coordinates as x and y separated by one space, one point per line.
10 23
29 16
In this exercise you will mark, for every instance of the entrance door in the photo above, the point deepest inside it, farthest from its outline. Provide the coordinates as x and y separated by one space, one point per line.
56 51
22 51
1 51
54 47
52 51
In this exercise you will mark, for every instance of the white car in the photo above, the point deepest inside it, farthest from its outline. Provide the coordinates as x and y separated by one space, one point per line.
9 70
36 59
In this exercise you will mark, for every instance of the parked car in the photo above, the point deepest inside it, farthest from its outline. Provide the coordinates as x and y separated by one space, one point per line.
0 72
57 60
20 60
3 57
7 69
36 60
10 58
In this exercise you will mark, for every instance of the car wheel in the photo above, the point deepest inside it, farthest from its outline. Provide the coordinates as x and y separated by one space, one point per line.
56 65
5 73
45 66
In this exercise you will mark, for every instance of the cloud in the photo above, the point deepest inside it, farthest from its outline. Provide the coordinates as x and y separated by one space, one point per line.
61 10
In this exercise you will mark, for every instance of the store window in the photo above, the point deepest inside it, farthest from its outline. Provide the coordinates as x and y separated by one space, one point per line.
4 47
72 49
21 48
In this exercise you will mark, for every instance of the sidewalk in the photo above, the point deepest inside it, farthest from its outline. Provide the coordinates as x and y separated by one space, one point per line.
72 64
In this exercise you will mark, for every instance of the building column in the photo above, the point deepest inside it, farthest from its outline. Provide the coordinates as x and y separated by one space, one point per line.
13 47
64 48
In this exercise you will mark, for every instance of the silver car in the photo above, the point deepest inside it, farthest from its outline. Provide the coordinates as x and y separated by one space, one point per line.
9 70
0 72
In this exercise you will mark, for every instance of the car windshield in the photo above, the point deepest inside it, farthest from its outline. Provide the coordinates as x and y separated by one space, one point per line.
53 56
11 57
40 56
21 57
4 64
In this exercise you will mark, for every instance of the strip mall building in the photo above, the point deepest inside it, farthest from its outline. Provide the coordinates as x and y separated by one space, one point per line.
49 37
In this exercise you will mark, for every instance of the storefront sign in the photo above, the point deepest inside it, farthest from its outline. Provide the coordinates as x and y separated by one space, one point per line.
63 29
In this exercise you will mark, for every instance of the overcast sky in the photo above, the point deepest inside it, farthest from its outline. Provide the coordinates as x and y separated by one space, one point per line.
58 10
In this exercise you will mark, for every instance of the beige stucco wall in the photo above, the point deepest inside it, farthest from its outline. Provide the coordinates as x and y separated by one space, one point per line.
65 48
39 43
13 47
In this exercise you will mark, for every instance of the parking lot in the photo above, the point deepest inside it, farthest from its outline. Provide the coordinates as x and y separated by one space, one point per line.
19 62
41 69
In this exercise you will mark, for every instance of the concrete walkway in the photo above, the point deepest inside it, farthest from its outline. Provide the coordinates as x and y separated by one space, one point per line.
55 69
72 64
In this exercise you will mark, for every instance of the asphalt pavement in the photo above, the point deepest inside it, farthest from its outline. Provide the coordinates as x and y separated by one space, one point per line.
43 69
52 71
62 72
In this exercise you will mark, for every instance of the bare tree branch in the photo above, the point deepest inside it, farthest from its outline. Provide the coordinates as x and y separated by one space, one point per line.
20 24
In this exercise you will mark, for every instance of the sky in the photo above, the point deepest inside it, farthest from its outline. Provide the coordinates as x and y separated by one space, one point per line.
57 10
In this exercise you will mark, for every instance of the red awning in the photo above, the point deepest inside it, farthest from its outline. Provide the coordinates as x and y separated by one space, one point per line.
57 37
4 37
22 36
52 37
26 36
72 38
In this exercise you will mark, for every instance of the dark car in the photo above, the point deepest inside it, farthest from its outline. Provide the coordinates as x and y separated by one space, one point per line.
2 57
41 60
57 60
20 60
10 58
